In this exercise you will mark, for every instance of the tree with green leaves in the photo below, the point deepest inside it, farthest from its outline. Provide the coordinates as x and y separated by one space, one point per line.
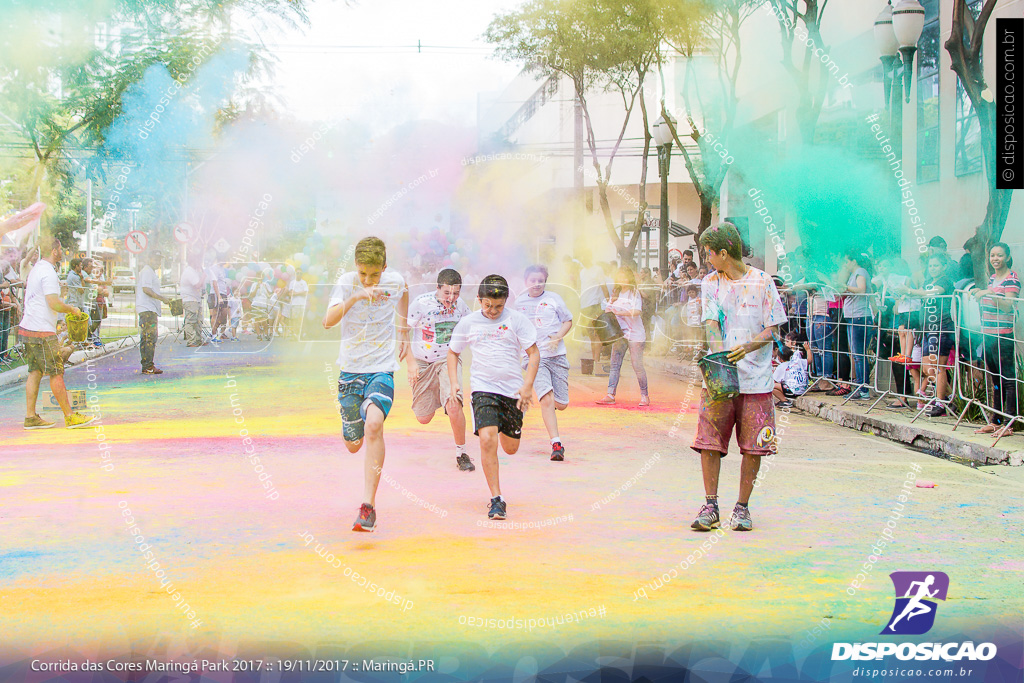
65 69
601 46
711 49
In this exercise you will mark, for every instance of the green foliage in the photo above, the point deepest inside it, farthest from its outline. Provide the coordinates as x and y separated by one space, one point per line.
65 67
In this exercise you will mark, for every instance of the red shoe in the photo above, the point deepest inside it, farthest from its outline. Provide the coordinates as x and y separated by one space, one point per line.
899 358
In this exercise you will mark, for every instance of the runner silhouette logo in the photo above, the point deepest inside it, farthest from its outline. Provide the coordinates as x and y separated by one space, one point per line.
916 593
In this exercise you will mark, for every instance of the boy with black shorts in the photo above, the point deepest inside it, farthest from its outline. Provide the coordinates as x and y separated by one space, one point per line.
552 318
432 318
742 312
367 302
499 337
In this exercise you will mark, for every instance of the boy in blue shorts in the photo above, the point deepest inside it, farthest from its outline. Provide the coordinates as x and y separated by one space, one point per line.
499 337
366 303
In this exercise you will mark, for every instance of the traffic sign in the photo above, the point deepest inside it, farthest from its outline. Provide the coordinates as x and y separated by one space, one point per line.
136 241
184 233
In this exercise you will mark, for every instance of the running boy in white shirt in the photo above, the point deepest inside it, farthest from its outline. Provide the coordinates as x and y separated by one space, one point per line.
552 318
432 318
367 302
500 394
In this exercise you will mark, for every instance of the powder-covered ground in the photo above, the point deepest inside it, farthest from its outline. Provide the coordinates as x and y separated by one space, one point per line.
71 576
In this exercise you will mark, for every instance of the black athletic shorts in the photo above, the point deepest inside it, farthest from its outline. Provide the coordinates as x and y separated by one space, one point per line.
495 410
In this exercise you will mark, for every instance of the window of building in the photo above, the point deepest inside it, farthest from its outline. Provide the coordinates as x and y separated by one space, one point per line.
967 157
928 95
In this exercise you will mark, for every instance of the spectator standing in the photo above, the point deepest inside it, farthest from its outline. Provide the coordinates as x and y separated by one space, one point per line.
856 274
191 285
998 302
147 305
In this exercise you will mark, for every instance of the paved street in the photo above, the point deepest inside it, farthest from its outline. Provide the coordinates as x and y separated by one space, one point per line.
238 555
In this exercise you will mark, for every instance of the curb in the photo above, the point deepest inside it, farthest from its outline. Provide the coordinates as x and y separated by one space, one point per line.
918 435
914 435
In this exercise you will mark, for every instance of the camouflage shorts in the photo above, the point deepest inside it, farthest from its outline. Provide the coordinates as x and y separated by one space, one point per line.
43 355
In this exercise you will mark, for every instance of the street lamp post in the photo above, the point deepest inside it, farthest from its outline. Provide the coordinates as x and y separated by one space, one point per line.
663 137
897 30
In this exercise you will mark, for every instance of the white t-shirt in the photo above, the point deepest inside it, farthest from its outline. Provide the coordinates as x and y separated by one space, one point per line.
191 285
234 307
144 303
744 308
547 312
432 326
591 280
693 312
793 374
498 346
368 332
299 289
628 301
856 305
262 294
42 280
904 304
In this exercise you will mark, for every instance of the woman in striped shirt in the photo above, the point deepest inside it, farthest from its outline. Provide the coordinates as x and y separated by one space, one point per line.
997 318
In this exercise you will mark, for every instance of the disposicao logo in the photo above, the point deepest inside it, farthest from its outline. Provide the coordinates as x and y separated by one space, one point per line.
916 593
914 615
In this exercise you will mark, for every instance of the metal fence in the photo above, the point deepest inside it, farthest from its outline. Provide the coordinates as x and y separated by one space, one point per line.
991 359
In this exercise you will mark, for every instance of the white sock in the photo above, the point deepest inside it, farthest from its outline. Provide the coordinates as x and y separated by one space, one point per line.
460 450
556 439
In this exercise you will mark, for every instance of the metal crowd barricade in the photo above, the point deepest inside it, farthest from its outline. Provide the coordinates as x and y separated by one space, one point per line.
859 332
994 358
10 346
923 326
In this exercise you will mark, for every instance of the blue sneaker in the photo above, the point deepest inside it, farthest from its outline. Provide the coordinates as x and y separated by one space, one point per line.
498 509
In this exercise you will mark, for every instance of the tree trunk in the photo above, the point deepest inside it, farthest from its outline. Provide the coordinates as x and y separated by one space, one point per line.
706 211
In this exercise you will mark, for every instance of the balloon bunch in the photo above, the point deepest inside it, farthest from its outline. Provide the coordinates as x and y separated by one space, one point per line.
436 249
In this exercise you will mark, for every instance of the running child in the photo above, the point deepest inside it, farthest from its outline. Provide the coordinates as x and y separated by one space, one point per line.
552 318
432 318
500 394
742 312
367 302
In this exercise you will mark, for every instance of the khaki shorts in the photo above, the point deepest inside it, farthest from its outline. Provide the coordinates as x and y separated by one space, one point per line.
432 388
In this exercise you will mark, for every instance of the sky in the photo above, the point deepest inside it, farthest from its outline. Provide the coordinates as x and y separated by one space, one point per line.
322 74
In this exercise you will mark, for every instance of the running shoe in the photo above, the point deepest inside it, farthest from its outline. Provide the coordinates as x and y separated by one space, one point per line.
367 519
77 420
97 344
937 410
784 404
36 422
606 401
497 510
838 391
153 371
464 463
557 451
740 520
862 396
707 518
899 358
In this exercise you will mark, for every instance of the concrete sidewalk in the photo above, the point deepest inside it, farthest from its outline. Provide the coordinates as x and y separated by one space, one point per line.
929 434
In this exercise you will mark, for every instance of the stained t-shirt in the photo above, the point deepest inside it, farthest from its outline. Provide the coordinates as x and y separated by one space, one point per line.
432 325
